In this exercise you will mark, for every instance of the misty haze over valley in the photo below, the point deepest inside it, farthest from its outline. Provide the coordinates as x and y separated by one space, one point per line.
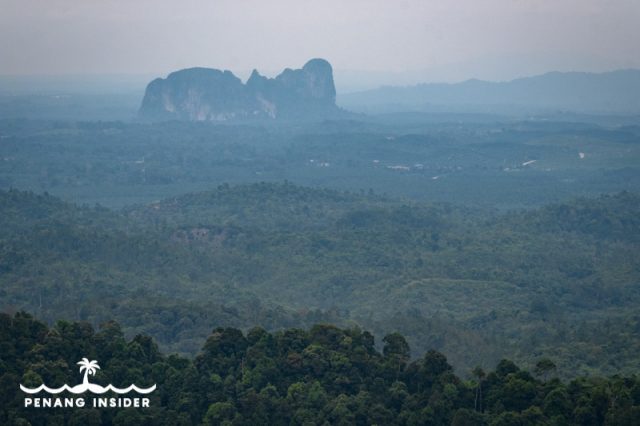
392 213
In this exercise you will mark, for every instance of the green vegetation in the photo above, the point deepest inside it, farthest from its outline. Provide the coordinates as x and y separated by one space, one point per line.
320 376
557 282
486 160
476 237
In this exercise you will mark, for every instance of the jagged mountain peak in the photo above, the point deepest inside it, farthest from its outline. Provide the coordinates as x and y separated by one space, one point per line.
206 94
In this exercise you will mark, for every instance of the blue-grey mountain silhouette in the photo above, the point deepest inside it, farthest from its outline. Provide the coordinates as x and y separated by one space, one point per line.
204 94
616 92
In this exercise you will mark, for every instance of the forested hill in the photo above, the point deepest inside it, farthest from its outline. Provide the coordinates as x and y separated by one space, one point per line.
607 218
318 376
284 207
559 281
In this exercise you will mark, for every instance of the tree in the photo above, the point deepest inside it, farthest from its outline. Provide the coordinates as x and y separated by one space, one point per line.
466 417
397 351
479 374
218 413
544 367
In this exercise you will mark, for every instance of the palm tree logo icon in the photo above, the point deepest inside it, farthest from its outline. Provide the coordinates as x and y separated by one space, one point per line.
89 368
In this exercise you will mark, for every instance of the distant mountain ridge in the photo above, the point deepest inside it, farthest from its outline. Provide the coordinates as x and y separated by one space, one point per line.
205 94
615 92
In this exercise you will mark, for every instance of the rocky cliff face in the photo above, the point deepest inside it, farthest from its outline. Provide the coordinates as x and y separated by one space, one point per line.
202 94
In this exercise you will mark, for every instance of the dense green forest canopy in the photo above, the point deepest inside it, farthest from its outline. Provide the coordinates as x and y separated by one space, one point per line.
474 236
322 375
560 281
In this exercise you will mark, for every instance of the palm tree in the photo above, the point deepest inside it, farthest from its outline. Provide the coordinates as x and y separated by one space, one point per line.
89 368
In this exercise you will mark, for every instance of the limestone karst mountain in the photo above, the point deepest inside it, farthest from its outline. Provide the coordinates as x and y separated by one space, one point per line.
204 94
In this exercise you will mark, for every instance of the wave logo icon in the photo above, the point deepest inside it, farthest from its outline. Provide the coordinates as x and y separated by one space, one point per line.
89 368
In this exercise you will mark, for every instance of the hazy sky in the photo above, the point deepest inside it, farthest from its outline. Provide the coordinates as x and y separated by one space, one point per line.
429 39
